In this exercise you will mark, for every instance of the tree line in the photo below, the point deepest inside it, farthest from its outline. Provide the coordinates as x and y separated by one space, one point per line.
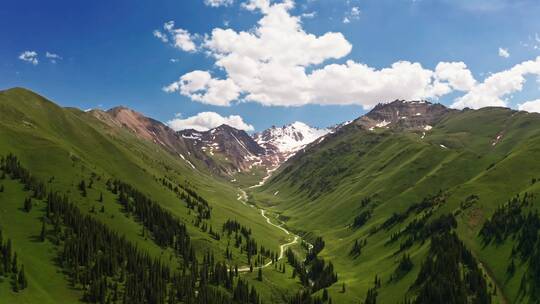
111 269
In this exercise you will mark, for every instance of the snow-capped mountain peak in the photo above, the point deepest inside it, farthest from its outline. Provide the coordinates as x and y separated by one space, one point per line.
289 138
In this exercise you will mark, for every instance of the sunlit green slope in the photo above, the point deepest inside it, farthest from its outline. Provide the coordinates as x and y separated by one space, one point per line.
473 161
63 146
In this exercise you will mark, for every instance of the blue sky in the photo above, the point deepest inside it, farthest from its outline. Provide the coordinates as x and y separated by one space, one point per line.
109 55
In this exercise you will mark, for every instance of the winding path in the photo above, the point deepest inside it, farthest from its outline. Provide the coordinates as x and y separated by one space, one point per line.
242 197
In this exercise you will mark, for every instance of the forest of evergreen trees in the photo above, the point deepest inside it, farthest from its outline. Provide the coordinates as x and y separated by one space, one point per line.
193 200
449 274
9 266
110 269
513 221
314 272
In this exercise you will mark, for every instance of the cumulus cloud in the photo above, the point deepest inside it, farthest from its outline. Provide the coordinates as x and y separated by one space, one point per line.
53 57
494 90
218 3
208 120
504 53
456 75
530 106
179 38
278 63
200 86
30 57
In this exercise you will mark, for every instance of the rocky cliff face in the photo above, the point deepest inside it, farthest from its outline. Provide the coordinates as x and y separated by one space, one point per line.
409 115
236 149
153 131
281 143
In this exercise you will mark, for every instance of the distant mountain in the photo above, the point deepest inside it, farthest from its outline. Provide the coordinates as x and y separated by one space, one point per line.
235 149
155 131
282 142
224 149
410 115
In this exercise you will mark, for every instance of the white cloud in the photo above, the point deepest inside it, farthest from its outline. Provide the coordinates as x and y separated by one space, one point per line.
497 86
504 53
352 14
183 40
218 3
53 57
29 56
179 38
200 86
161 36
530 106
277 63
456 74
309 15
355 11
208 120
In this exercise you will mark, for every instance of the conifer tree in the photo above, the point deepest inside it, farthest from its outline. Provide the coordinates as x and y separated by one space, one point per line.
43 233
27 204
21 279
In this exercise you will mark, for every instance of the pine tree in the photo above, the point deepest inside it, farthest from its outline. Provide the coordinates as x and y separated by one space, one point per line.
27 204
325 295
21 279
43 233
82 188
14 268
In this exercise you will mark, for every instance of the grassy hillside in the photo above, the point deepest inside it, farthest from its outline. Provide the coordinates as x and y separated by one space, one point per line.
62 147
474 161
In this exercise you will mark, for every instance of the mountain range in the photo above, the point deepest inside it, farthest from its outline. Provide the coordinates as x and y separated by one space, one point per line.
224 149
412 202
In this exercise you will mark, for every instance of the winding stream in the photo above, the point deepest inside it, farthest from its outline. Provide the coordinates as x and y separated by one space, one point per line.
242 197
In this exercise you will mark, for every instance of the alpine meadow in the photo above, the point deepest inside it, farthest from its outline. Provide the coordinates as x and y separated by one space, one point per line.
270 152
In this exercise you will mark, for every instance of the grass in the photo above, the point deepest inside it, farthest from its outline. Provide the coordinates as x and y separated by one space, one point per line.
320 190
65 146
317 193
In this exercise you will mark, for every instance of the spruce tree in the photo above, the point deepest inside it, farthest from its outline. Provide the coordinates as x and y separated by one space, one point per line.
21 279
43 233
27 204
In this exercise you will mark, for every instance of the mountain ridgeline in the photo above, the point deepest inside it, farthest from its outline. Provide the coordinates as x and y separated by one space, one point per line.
375 188
412 202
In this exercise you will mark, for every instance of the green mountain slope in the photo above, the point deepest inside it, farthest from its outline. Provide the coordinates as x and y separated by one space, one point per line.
63 147
469 164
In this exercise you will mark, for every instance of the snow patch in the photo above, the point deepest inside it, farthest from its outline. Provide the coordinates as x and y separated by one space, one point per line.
290 138
382 124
